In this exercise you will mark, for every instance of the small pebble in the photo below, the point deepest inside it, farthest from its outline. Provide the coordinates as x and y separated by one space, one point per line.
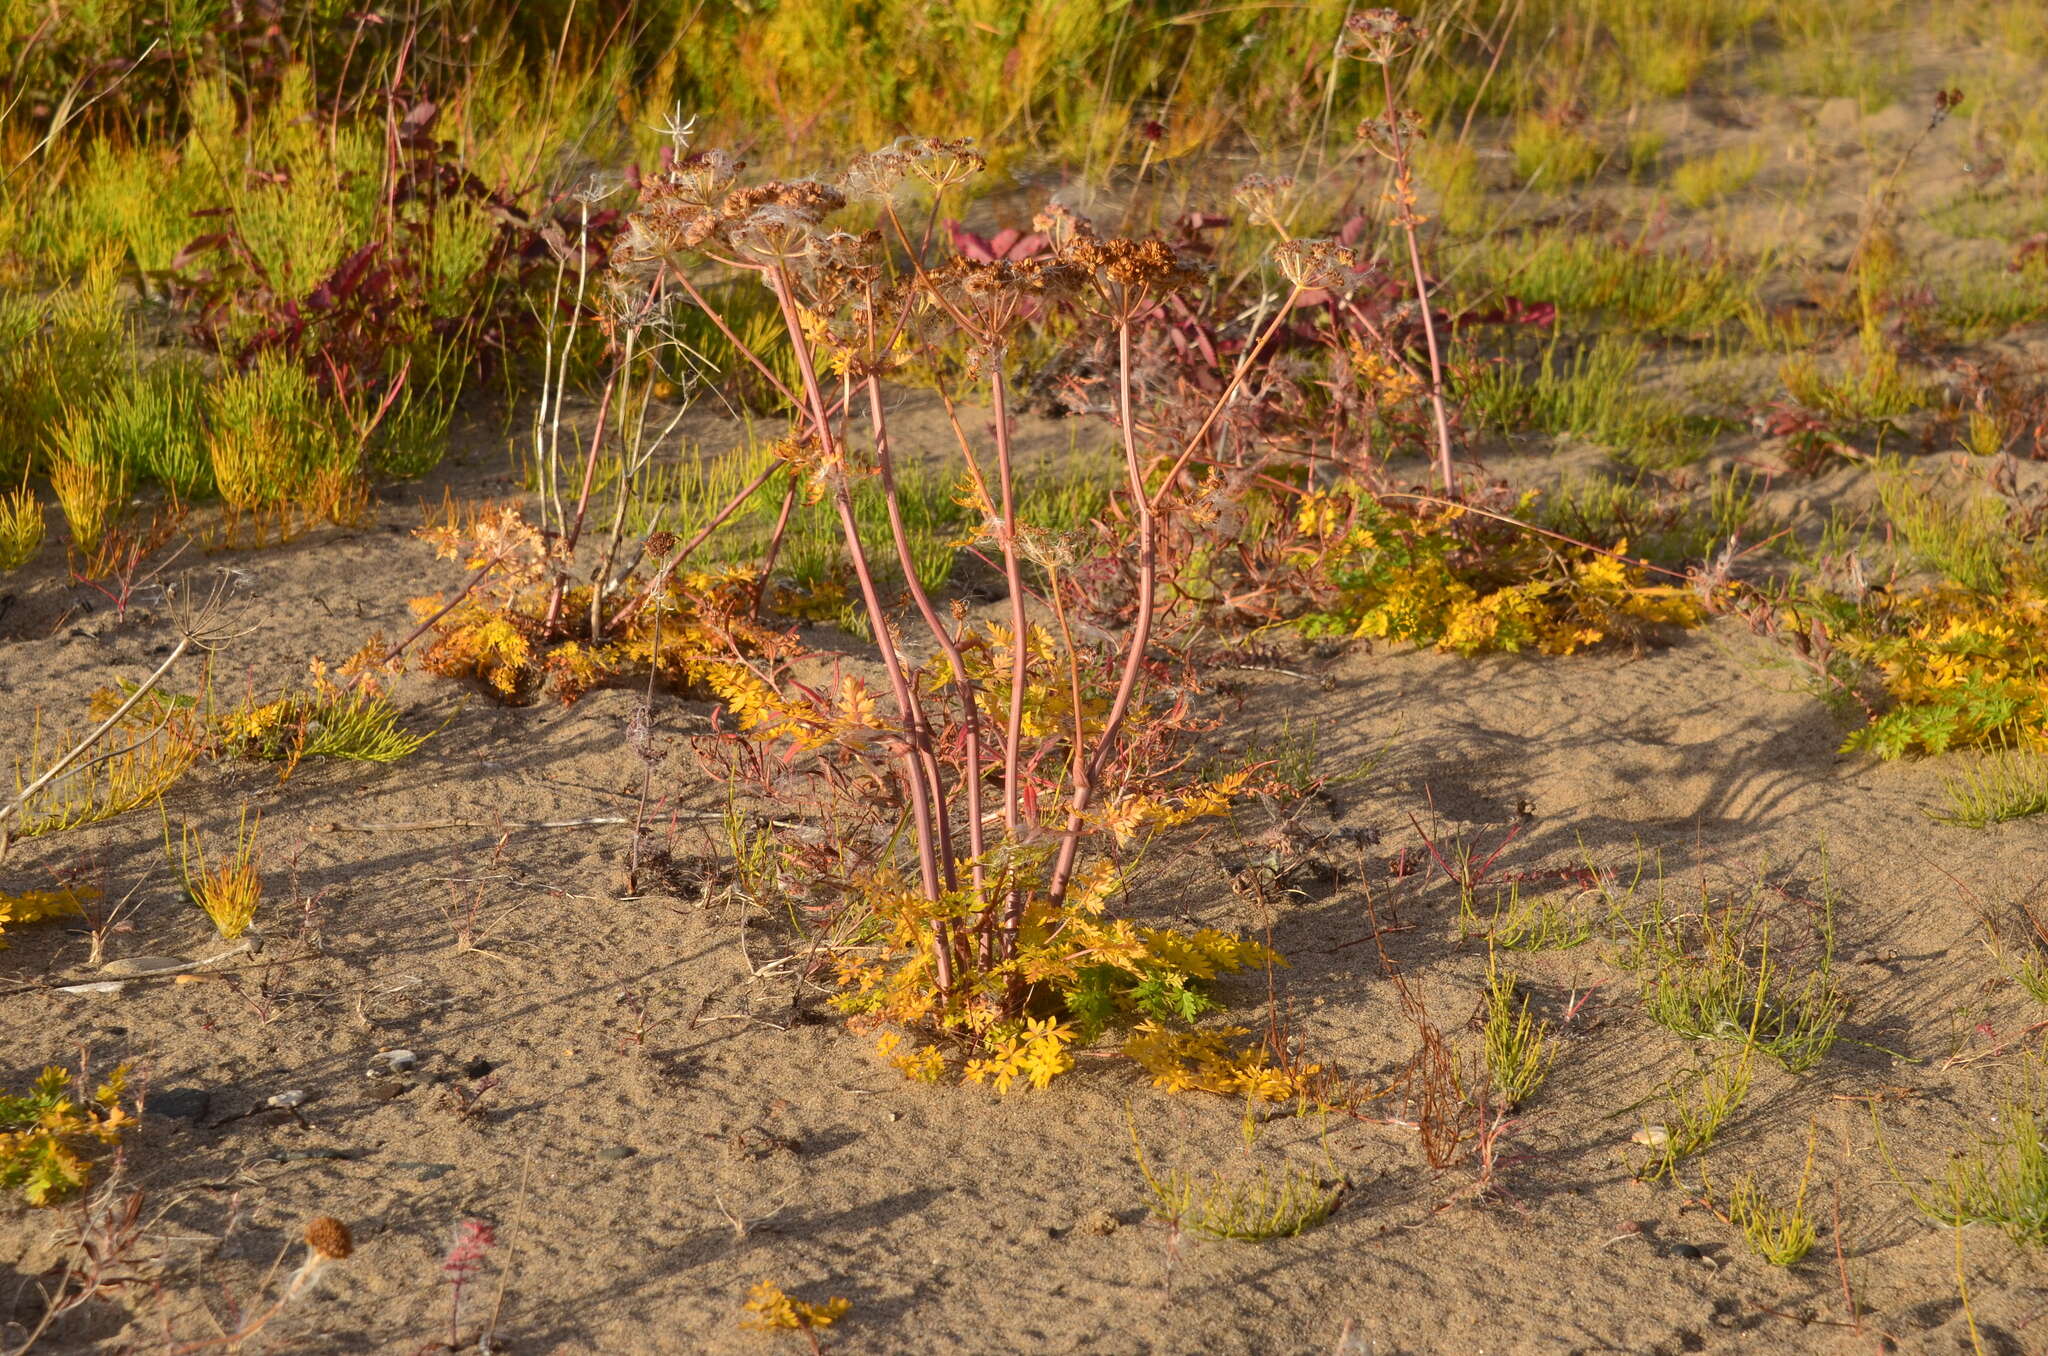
617 1152
477 1068
386 1091
1651 1136
287 1099
99 986
1685 1252
1098 1222
395 1061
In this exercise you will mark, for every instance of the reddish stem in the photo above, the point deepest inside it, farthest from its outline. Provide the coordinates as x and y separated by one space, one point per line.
1407 225
914 750
962 683
1086 770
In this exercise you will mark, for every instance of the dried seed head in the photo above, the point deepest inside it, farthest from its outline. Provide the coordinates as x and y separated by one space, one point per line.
1151 266
1313 264
677 128
703 177
1051 279
876 175
943 163
1945 102
1378 35
1264 198
329 1238
1046 549
810 197
640 736
1391 132
671 219
1061 225
595 187
774 235
846 250
661 544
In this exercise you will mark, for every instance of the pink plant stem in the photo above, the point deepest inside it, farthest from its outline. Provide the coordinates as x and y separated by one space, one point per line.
732 506
969 716
604 406
914 773
1086 771
733 339
396 650
1244 363
1059 612
1436 365
775 541
1013 573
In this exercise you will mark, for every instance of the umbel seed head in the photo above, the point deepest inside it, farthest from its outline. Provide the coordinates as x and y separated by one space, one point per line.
1313 264
329 1238
1378 35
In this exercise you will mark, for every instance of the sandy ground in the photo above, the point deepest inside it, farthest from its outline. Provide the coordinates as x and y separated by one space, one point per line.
625 1089
655 1128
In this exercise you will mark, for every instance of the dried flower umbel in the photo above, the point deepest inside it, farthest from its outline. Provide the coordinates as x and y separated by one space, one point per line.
1378 35
1314 264
1266 200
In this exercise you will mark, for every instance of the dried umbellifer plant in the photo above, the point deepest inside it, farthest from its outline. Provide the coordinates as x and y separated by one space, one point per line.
996 921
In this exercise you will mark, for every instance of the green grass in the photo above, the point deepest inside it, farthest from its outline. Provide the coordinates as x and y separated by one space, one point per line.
1995 789
54 349
1711 973
150 422
1450 171
1657 522
1710 179
1781 1235
1838 52
1594 393
1967 541
2002 1182
1252 1204
1696 1107
1989 301
270 430
359 728
1517 1049
683 495
1732 994
1552 154
1625 281
21 528
1517 924
2007 214
1872 387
